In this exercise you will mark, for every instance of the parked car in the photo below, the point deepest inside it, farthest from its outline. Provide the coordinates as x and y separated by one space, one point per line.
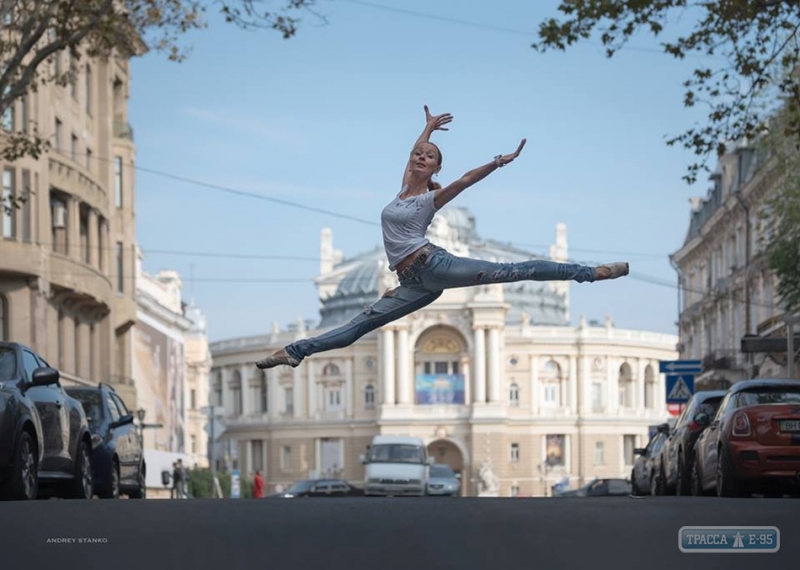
118 462
677 455
601 488
443 481
752 445
646 468
320 488
65 467
21 437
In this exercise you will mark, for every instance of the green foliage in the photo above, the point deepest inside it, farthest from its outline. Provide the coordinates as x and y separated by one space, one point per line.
752 43
201 484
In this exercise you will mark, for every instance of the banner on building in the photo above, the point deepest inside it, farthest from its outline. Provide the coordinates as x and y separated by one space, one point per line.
159 366
437 389
554 449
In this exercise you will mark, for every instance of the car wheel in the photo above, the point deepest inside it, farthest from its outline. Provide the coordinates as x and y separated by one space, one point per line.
82 483
112 492
24 481
727 485
695 486
683 478
141 491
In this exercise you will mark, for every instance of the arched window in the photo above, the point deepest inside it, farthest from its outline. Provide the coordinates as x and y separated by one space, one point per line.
649 387
369 397
218 389
236 392
4 334
331 370
626 387
550 377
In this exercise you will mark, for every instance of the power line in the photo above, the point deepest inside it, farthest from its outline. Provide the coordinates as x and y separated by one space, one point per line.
503 29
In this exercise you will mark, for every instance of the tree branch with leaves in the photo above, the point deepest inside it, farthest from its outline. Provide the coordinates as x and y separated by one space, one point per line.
746 42
34 32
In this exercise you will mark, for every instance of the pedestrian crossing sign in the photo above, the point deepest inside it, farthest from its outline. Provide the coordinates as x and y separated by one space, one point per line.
680 388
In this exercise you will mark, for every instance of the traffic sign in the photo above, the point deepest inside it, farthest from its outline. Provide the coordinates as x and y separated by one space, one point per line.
680 388
680 366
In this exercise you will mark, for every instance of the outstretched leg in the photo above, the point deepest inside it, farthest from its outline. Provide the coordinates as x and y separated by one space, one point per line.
447 271
393 305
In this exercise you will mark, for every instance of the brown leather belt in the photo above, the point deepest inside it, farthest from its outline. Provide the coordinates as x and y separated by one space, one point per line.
417 259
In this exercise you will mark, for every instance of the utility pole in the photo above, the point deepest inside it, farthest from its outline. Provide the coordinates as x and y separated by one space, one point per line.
790 348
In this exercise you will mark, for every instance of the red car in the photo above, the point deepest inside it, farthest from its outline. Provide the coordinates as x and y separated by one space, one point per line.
753 443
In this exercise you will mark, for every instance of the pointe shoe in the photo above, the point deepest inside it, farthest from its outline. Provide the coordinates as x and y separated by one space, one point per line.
276 359
613 270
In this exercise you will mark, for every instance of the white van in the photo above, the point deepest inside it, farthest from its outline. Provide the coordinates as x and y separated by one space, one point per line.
396 465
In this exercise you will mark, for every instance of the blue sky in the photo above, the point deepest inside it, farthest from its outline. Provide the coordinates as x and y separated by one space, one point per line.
327 118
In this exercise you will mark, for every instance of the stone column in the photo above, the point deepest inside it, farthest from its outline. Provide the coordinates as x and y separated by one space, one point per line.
465 370
536 389
248 454
348 387
247 394
403 371
494 365
641 388
573 385
94 239
313 404
388 367
299 401
612 389
586 384
479 394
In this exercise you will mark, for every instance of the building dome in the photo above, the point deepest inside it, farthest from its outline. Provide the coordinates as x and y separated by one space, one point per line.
346 286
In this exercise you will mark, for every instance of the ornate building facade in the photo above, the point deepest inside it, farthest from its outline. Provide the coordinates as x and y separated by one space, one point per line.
495 380
171 362
67 286
727 289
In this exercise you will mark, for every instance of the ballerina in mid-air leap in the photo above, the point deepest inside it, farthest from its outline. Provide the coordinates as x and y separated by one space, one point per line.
424 269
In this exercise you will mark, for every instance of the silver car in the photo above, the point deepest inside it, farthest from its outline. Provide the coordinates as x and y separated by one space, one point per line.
443 481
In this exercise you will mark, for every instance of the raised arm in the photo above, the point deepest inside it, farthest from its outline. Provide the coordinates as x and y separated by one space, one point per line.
444 195
432 123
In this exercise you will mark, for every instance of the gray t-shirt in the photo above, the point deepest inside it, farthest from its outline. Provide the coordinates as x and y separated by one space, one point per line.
404 225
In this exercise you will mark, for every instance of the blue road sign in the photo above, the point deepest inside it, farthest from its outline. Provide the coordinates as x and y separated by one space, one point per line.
680 366
680 387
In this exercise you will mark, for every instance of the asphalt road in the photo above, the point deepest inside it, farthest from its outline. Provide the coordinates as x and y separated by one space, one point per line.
387 533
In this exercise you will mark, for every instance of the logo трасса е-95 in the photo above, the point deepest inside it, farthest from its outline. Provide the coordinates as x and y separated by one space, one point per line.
734 539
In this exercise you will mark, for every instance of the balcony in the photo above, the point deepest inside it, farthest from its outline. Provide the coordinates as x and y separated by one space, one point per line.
723 359
123 130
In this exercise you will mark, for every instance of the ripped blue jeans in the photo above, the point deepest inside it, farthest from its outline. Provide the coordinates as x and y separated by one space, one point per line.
424 281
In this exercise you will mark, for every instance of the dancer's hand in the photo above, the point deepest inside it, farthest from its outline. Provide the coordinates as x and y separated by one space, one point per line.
436 122
502 160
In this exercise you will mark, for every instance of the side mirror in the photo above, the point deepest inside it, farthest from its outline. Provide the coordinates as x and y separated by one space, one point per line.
702 419
362 459
45 376
639 451
664 428
123 421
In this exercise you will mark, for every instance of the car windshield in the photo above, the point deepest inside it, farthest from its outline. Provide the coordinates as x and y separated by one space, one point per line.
777 395
300 487
90 400
395 453
8 364
442 471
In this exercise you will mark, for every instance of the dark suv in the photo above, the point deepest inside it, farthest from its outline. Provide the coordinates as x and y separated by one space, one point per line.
117 455
64 465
